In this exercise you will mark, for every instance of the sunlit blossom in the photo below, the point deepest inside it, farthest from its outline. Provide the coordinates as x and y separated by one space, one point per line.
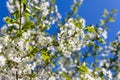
2 60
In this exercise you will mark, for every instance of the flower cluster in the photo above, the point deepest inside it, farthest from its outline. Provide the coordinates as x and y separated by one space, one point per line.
28 52
71 37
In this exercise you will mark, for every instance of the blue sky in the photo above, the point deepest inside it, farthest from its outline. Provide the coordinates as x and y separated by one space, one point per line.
91 11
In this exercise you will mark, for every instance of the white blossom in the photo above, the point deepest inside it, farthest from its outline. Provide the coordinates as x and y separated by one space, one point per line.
36 1
33 52
52 78
10 7
2 60
1 48
104 34
87 76
118 76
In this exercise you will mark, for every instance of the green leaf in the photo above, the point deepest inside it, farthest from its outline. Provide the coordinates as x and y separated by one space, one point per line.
32 74
111 19
27 14
27 25
102 40
74 8
78 3
55 43
79 25
114 11
67 77
96 60
83 68
96 69
30 48
91 44
105 13
90 29
52 63
24 1
53 1
33 51
83 64
45 56
8 20
18 34
16 15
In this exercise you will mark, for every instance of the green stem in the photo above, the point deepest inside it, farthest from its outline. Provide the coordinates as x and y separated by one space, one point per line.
20 16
